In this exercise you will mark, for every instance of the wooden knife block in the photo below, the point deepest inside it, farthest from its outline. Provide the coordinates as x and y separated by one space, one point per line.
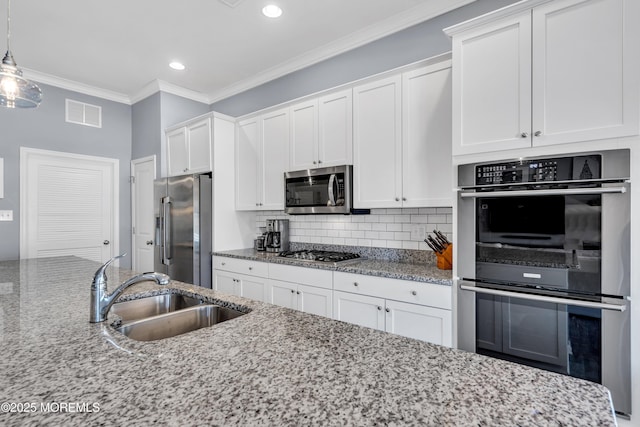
444 260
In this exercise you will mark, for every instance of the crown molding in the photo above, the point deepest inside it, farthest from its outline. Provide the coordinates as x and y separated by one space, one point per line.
413 16
56 81
163 86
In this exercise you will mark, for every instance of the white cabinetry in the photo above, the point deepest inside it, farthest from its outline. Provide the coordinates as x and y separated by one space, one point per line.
189 147
321 132
412 309
305 289
543 73
244 278
402 140
262 157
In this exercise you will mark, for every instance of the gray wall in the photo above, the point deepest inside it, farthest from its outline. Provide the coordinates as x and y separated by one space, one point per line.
152 116
413 44
45 128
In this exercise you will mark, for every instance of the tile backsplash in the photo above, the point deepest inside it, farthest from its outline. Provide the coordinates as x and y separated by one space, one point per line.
403 228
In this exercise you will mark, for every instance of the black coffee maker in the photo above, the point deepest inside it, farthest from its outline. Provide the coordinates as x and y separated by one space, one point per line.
277 235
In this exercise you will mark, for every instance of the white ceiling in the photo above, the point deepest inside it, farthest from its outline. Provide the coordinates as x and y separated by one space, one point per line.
120 49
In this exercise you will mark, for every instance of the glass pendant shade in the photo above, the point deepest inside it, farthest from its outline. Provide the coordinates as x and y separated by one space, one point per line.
15 90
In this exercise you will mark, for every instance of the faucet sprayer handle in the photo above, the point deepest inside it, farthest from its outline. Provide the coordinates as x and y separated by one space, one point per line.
101 275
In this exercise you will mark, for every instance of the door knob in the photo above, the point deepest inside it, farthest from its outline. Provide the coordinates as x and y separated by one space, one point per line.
106 242
149 242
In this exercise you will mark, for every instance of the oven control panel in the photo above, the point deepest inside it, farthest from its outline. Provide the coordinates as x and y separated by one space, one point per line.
539 170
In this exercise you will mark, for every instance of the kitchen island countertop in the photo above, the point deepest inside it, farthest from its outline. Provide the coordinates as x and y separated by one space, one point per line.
273 366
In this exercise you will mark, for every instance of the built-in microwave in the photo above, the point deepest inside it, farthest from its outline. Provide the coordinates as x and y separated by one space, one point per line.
319 191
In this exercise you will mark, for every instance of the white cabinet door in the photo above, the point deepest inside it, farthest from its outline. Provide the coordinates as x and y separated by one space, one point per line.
304 136
335 122
585 85
315 300
254 288
248 164
275 159
427 175
359 309
283 294
177 152
226 282
199 137
377 144
492 86
423 323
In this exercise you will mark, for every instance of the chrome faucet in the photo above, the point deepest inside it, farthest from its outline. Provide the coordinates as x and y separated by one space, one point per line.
101 302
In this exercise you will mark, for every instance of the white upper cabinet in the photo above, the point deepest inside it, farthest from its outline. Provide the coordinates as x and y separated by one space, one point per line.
321 132
189 147
335 124
543 73
377 144
427 176
402 140
262 157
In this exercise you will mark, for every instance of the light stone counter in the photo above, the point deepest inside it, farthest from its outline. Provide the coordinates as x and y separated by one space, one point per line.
273 366
419 272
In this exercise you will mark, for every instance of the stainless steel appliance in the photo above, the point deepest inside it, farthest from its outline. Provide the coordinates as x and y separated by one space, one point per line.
183 228
277 235
320 256
543 265
319 191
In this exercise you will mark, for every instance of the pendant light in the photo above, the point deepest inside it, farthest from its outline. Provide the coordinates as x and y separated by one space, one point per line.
15 90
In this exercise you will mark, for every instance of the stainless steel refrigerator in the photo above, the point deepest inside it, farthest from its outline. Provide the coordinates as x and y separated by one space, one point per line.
183 228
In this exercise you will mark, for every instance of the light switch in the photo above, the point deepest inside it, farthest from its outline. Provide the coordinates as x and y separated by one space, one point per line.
6 215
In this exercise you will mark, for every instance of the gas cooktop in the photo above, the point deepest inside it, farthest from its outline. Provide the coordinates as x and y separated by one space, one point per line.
320 256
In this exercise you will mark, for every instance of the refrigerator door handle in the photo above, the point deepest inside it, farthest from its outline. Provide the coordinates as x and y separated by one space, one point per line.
166 230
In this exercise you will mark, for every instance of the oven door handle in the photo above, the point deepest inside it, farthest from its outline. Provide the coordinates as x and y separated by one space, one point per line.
556 192
544 298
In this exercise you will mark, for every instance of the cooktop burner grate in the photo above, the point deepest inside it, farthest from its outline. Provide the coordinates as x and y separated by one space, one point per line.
320 256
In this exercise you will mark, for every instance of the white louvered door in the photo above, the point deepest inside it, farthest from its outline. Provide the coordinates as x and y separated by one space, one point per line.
68 205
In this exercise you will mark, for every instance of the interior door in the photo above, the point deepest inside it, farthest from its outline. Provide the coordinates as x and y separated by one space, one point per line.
143 172
68 205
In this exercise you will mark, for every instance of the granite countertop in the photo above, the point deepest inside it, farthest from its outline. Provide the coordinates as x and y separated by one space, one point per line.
272 366
419 272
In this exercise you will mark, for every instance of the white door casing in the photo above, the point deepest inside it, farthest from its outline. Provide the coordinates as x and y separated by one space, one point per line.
143 173
68 205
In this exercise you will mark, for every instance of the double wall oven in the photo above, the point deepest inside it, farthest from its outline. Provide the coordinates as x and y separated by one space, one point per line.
543 270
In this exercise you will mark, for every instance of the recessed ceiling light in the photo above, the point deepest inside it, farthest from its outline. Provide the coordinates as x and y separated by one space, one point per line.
177 65
271 11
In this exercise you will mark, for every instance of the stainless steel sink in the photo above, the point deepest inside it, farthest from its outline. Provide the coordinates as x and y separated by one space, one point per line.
177 322
153 306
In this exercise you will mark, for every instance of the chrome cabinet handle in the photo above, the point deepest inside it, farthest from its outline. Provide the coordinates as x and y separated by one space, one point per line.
355 284
404 199
149 242
397 199
106 242
538 133
314 162
379 308
414 293
298 292
524 135
319 161
292 291
387 310
250 268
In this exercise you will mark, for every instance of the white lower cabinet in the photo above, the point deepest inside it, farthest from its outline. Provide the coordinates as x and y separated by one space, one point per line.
308 299
229 277
306 289
413 309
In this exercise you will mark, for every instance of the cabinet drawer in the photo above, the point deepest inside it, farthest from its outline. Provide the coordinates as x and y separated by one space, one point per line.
243 266
301 275
400 290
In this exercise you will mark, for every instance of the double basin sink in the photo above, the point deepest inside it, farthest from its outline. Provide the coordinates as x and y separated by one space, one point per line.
168 315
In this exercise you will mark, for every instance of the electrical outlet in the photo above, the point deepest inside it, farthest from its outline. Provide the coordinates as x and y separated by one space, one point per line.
6 215
418 232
